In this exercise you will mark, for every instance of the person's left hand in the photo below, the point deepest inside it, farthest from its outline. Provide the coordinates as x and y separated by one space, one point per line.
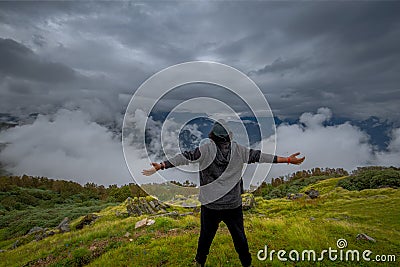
153 170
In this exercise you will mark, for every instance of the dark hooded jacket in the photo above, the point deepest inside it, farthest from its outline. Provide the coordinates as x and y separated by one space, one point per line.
221 173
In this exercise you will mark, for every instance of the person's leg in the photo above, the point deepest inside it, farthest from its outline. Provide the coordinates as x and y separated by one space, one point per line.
234 221
209 220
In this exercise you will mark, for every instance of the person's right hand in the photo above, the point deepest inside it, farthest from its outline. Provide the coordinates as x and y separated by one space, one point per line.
295 160
154 169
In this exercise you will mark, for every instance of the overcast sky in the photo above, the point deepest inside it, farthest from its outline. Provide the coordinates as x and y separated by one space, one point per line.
344 56
57 57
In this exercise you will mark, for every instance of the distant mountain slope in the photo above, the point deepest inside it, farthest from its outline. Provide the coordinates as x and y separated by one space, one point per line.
379 130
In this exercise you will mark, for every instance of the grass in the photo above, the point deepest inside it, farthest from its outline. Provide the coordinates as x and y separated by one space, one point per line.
17 222
279 223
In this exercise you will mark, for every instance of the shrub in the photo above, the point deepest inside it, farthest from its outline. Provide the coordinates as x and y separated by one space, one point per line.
269 191
370 178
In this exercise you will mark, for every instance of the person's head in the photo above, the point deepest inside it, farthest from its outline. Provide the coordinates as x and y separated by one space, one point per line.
220 132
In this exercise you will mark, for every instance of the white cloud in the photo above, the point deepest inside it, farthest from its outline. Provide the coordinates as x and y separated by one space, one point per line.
67 146
392 155
315 120
339 146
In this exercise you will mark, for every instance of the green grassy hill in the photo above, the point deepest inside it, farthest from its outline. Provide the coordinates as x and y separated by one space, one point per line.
278 223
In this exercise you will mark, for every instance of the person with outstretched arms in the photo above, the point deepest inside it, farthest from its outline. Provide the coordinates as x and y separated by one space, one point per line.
220 168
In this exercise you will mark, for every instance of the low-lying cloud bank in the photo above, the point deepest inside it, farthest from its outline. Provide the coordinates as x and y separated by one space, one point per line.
339 146
68 145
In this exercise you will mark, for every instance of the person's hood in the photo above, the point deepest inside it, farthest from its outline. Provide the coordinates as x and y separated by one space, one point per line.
220 130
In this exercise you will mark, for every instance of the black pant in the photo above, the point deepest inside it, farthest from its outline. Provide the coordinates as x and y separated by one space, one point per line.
233 218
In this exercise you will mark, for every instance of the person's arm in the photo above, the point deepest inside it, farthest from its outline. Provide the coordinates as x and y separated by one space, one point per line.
180 159
258 156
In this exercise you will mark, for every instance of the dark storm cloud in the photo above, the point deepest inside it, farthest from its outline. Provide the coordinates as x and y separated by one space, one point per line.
353 61
280 66
342 55
19 61
348 22
35 11
39 40
31 84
